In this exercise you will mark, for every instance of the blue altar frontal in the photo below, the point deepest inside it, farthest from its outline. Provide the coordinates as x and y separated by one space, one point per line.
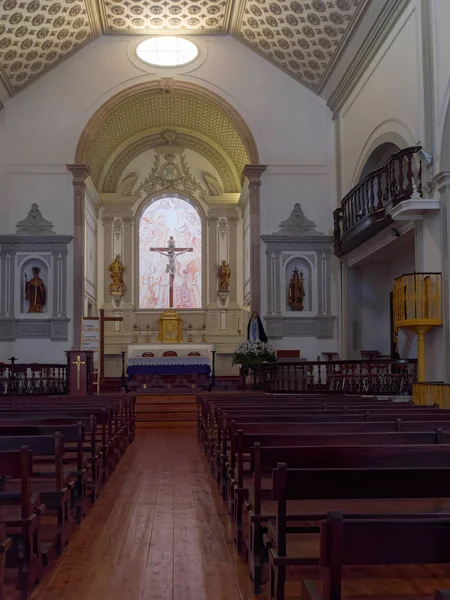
169 365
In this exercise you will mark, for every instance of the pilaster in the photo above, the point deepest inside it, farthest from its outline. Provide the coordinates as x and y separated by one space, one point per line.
212 260
79 175
232 245
253 175
128 258
108 254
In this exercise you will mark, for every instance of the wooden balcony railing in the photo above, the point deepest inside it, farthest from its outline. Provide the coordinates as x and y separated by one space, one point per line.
362 212
430 393
380 377
417 300
33 379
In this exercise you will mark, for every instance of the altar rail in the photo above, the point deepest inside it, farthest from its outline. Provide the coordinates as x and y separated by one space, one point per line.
429 393
376 377
362 211
33 379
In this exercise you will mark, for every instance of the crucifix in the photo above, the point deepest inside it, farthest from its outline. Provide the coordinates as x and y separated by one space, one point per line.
171 252
78 364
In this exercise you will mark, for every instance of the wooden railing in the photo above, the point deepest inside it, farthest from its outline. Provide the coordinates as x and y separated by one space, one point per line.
376 377
430 393
394 182
417 299
33 379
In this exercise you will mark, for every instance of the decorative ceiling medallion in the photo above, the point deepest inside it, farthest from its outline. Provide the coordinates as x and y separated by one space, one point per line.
154 16
35 35
300 36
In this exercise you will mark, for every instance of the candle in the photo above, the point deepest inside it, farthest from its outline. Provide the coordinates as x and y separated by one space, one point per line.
123 347
213 347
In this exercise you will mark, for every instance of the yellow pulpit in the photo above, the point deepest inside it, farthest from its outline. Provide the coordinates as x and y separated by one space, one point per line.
169 329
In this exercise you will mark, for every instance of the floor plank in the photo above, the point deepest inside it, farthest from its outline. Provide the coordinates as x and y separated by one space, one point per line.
154 533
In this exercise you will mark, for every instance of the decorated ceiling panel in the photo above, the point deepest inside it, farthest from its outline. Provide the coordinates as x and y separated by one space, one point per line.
158 110
303 37
37 34
300 36
153 16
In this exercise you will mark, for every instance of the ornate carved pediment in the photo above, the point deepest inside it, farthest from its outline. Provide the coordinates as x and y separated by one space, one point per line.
170 174
34 223
298 224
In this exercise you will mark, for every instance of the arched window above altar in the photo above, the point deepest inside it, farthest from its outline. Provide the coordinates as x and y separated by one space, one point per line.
165 218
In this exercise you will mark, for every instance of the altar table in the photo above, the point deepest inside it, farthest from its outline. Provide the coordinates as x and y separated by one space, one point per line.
169 365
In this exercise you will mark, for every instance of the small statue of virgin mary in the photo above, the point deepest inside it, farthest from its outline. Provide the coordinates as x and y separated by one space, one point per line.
255 329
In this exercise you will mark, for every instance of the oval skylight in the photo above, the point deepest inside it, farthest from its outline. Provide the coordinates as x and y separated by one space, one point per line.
167 51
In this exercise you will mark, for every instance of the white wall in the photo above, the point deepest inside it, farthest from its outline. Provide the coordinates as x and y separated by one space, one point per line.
387 103
440 17
376 283
42 125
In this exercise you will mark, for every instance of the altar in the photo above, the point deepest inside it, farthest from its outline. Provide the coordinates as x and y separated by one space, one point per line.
170 365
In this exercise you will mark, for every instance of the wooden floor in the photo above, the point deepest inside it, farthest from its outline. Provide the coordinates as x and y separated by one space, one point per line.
156 533
160 532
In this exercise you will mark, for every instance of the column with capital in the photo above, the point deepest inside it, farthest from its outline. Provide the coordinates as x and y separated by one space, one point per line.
212 261
79 175
253 175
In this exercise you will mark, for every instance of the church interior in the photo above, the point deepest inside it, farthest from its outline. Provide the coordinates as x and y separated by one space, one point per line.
224 299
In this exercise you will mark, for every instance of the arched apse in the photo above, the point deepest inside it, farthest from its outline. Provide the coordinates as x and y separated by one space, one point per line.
389 132
147 106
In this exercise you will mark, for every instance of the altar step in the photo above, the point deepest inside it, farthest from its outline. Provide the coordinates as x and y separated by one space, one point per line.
167 410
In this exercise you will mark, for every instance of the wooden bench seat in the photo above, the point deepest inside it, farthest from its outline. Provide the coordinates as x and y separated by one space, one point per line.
364 542
344 484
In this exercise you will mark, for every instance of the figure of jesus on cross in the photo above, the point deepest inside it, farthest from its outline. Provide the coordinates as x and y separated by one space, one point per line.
171 252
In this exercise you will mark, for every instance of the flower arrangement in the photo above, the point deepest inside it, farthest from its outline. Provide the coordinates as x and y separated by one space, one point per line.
252 353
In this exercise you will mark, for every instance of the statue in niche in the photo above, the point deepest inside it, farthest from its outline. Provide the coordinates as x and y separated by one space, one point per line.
223 275
116 269
35 292
296 290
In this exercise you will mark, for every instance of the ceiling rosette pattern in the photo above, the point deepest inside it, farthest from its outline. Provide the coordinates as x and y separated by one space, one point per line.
303 37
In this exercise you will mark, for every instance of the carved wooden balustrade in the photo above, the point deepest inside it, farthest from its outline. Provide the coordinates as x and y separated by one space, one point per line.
417 299
375 377
33 379
363 210
417 306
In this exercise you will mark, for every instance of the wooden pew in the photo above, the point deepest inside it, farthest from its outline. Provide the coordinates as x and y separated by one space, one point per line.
375 541
53 485
5 544
430 483
297 424
265 459
22 519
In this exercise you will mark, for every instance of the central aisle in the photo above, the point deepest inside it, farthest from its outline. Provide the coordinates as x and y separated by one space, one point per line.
154 534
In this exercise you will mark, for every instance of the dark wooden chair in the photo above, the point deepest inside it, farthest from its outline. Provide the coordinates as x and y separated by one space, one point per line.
170 353
194 354
148 355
